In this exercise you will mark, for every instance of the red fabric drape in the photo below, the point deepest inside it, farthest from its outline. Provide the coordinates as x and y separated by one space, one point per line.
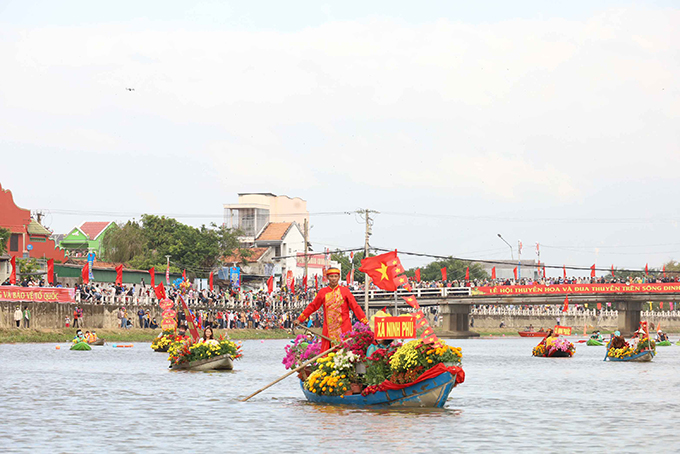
443 274
119 275
592 271
270 284
430 373
418 274
514 271
493 273
152 272
13 273
467 273
50 271
210 281
85 273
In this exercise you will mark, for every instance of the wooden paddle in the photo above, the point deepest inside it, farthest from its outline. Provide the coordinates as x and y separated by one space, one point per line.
315 333
299 368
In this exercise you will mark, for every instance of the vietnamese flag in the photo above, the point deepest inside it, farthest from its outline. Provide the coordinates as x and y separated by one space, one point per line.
191 320
383 269
646 269
316 282
184 275
119 275
514 271
152 272
613 271
664 271
543 271
304 282
566 304
210 281
660 305
270 284
418 274
160 291
564 269
493 273
85 273
411 300
401 280
467 273
444 274
50 271
592 271
13 273
599 306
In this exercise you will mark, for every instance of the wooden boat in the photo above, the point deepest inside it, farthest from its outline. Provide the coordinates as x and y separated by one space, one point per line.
162 349
642 357
533 333
99 341
430 393
594 342
222 362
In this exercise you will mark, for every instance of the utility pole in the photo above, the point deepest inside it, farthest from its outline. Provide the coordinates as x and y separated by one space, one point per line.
369 222
306 233
167 271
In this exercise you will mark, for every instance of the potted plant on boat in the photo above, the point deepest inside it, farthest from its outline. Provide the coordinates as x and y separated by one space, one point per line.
215 354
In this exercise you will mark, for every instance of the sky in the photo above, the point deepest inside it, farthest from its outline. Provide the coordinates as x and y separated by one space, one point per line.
546 122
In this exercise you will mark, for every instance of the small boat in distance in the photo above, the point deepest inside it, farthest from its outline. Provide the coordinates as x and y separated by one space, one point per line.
222 362
532 333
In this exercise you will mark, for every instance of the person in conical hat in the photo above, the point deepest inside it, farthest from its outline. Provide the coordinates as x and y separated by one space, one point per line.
337 301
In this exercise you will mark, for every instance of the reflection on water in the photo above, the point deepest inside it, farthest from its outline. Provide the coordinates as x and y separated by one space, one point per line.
126 400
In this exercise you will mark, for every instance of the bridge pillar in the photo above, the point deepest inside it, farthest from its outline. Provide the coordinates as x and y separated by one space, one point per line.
456 321
629 316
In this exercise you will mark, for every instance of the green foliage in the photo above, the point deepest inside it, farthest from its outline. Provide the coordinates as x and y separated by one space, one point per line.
346 264
27 266
622 274
455 270
146 243
4 238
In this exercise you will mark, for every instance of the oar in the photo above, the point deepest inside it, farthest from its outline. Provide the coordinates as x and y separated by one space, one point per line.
299 368
315 333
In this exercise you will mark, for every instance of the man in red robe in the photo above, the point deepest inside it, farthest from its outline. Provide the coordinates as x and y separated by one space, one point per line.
336 301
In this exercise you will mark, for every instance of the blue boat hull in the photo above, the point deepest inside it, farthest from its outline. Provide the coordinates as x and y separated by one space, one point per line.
431 393
643 357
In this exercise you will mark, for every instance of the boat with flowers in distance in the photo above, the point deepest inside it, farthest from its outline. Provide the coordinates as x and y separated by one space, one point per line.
213 354
644 352
415 374
554 348
163 342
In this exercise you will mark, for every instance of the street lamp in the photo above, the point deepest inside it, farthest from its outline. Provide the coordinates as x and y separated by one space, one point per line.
512 257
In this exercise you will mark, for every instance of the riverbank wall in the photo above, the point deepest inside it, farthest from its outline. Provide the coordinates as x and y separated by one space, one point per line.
670 322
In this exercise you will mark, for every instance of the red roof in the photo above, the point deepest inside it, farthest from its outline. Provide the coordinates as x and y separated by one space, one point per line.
275 231
93 229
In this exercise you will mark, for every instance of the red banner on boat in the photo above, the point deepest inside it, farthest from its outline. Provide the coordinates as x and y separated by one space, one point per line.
566 289
37 294
562 330
395 327
191 320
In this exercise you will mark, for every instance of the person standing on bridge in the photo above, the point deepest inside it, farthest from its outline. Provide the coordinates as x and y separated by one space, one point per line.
337 302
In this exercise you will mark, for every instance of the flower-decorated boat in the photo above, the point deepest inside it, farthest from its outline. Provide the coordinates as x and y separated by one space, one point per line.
163 342
214 354
642 353
554 348
594 342
416 374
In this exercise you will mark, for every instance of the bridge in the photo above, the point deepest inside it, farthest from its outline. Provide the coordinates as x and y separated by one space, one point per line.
455 303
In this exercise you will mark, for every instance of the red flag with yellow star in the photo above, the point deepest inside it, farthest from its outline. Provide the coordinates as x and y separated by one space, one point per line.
411 300
383 269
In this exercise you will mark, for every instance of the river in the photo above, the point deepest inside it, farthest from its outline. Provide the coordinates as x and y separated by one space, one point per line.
126 400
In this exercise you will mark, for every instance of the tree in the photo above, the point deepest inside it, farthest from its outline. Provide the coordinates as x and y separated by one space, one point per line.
346 264
4 237
122 244
455 270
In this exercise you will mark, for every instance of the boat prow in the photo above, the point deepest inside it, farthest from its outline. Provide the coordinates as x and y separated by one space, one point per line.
430 393
222 362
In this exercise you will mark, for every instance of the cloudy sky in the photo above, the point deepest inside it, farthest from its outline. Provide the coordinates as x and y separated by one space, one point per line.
548 122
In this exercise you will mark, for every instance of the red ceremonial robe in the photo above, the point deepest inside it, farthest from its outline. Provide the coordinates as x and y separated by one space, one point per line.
336 305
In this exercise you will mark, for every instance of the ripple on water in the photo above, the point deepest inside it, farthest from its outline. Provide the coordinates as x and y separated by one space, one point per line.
126 400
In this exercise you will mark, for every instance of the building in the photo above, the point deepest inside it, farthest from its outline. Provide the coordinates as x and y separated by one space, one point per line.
255 210
28 238
86 238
